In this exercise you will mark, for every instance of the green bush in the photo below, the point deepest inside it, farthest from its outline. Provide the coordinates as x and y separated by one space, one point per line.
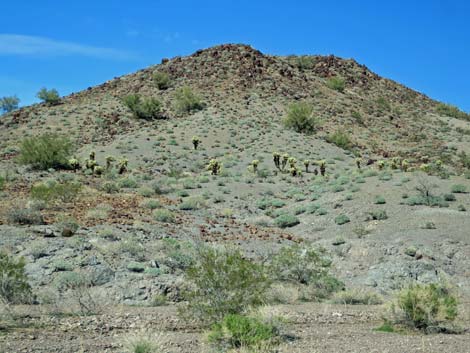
53 191
378 215
342 219
45 151
423 306
341 139
223 282
50 97
186 101
336 83
8 104
24 216
300 118
452 111
302 265
162 80
144 108
14 286
237 331
305 62
286 220
459 189
164 215
357 297
3 182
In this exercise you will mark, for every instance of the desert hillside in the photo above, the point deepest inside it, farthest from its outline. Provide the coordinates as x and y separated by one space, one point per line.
319 187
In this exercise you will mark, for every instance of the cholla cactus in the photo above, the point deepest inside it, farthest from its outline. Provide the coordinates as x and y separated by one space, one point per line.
395 163
92 155
122 166
381 164
254 165
405 165
294 171
109 162
358 161
322 165
74 164
98 170
425 167
214 167
277 160
439 165
292 162
306 164
196 142
90 164
285 158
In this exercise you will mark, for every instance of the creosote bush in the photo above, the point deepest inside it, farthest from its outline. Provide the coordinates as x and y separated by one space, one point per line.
336 83
300 118
53 191
14 286
186 101
144 108
223 282
45 151
236 331
162 80
425 306
341 139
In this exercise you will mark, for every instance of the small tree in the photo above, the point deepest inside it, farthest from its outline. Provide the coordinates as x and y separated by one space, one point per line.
224 282
144 108
45 151
8 104
186 101
50 97
299 118
162 80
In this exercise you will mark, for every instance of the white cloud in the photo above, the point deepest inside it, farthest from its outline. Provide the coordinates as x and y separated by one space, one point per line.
16 44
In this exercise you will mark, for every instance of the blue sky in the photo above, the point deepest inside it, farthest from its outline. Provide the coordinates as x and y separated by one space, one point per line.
71 45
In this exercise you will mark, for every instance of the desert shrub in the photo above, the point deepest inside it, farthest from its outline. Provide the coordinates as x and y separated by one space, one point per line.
383 104
186 101
336 83
53 191
144 108
300 118
357 297
192 203
305 62
378 215
236 331
8 104
342 219
24 216
14 286
423 306
3 182
459 189
449 197
452 111
380 200
162 80
286 220
223 282
164 215
50 96
306 266
45 151
341 139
